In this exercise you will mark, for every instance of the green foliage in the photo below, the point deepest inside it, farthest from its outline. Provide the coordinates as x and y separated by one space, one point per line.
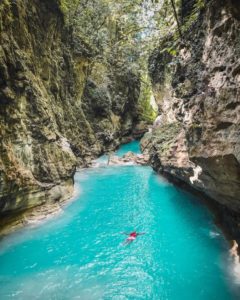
5 3
68 8
5 10
124 33
172 51
145 109
198 6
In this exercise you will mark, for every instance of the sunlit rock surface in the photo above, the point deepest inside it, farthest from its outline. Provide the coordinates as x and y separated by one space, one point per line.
196 139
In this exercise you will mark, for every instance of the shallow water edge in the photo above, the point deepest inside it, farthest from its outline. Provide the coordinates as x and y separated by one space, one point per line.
225 220
82 247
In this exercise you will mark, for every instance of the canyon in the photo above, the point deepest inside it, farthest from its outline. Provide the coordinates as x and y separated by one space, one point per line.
196 138
61 106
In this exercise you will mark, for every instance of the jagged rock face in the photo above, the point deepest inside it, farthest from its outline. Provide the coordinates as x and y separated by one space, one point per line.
198 93
110 105
44 125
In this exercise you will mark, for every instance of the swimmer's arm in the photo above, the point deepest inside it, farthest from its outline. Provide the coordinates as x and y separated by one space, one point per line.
125 233
141 233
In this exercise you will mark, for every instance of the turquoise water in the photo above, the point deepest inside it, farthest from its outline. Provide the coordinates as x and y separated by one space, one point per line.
133 146
80 255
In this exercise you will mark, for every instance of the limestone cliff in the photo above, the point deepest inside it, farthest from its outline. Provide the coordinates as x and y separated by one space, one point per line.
54 115
196 138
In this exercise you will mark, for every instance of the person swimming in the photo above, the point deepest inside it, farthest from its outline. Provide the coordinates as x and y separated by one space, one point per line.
131 237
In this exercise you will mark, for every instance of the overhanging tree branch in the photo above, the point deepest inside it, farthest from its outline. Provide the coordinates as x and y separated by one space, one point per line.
176 17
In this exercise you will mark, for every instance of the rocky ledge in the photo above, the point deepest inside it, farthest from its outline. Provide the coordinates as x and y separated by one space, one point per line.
196 137
59 108
34 216
38 214
128 159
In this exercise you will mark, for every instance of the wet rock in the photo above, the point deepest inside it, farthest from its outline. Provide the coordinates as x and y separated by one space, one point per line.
129 158
140 129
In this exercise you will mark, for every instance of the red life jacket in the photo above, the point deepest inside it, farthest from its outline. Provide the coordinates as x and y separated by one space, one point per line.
133 234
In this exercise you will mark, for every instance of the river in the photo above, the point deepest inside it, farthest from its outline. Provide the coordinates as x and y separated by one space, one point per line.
80 254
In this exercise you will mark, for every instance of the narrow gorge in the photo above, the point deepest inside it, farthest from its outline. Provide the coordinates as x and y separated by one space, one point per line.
196 139
78 80
59 106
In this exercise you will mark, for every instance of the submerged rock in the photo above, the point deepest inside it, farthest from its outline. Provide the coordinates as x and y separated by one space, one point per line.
129 158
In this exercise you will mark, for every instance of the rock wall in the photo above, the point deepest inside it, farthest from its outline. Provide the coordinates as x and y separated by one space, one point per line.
196 138
53 115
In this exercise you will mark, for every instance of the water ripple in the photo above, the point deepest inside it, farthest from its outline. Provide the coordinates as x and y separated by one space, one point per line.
81 255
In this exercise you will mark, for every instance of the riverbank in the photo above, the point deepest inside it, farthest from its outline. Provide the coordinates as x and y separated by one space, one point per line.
36 215
223 218
127 159
80 253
